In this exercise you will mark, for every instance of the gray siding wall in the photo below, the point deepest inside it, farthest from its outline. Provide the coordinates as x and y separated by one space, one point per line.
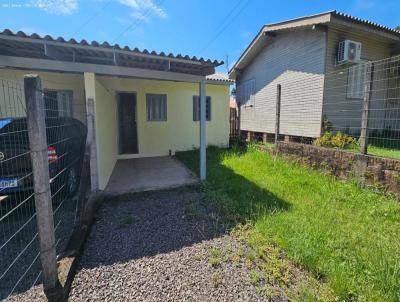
296 60
345 113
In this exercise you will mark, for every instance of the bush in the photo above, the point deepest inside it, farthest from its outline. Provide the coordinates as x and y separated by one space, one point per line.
339 140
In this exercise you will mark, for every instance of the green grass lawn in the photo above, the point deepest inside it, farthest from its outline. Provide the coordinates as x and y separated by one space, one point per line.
384 152
348 236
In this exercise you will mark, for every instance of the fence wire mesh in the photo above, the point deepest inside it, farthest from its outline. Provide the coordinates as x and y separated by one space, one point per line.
20 266
335 107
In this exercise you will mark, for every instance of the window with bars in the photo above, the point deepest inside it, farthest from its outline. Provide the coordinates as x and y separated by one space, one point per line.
58 103
196 108
355 81
156 107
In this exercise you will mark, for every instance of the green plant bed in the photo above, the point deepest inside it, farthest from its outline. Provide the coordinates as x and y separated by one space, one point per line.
344 234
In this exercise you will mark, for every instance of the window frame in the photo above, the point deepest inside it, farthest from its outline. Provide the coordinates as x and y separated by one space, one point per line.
352 74
151 117
196 108
60 93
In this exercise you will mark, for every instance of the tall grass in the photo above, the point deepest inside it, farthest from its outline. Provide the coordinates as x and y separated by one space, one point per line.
343 233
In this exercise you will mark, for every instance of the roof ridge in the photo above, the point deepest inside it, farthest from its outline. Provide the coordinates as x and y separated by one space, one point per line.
339 14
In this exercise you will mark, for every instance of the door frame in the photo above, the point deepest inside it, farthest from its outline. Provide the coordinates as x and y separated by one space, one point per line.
117 94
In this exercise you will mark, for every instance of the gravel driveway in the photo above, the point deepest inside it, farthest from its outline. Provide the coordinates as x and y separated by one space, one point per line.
159 246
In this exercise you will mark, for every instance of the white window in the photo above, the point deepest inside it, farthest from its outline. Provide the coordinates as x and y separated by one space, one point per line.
156 107
58 103
248 93
355 81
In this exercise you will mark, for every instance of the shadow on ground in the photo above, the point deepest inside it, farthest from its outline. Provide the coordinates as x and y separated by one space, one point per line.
144 224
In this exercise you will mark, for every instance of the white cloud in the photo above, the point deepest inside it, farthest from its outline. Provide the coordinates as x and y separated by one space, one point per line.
56 7
142 9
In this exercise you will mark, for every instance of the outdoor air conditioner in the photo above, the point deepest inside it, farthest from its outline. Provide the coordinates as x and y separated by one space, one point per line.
348 52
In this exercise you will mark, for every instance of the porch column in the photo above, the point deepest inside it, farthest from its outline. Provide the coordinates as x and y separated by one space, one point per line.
203 141
90 93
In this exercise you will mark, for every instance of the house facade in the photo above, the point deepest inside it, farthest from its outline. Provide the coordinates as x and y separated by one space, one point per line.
301 55
135 103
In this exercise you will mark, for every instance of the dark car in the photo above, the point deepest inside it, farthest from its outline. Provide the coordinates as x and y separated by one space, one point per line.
66 139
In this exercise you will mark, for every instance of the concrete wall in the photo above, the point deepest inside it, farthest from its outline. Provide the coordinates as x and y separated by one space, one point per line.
12 99
373 171
178 133
296 60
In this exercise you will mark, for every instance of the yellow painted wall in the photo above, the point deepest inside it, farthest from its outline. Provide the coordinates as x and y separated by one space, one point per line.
179 132
12 100
106 129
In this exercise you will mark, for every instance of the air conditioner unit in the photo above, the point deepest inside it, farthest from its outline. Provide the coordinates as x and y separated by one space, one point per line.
348 52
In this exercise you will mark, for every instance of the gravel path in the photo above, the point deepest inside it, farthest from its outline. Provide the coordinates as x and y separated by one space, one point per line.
159 247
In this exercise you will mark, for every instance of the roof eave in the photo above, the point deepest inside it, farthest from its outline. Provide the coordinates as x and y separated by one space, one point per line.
318 19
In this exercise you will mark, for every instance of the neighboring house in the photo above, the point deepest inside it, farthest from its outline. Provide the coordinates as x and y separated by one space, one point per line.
301 55
144 103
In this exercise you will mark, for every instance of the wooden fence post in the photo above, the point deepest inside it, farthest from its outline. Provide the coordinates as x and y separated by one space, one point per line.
238 121
277 112
41 182
366 101
91 137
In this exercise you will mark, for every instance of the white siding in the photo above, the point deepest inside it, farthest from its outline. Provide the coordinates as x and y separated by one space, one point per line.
296 60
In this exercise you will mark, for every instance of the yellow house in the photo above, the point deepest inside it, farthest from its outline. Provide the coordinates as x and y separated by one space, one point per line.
135 103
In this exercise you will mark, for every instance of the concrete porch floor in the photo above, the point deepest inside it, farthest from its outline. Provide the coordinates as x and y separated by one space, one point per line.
146 174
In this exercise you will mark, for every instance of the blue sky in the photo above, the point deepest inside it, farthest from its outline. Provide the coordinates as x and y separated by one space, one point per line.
210 28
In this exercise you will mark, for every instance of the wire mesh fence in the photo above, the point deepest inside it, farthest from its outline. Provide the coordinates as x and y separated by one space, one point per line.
355 106
20 265
19 246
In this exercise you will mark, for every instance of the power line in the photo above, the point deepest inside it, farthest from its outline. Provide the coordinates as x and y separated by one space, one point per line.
227 24
137 22
91 18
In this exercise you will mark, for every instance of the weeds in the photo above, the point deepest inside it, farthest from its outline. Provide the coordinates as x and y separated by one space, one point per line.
216 279
338 231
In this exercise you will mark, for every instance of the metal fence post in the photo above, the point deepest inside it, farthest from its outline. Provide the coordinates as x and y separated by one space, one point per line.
41 181
203 138
366 101
277 112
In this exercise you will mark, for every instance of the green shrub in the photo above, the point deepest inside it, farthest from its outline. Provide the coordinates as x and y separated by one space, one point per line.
339 140
326 124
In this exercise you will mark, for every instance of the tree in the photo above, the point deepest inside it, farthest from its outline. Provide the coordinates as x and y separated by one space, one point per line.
397 28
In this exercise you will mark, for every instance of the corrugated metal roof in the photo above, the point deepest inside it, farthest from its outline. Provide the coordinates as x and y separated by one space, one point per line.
21 34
